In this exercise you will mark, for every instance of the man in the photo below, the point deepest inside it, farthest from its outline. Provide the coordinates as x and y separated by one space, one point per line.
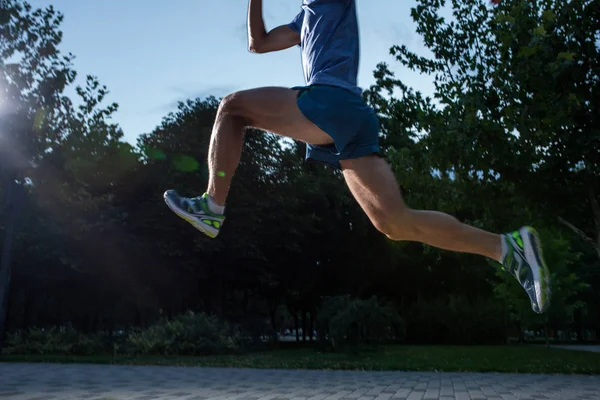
341 130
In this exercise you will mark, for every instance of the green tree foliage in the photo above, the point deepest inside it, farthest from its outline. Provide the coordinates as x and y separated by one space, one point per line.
459 320
348 321
509 137
69 229
513 102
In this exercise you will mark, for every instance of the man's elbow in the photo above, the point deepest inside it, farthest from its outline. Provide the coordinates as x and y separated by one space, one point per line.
256 47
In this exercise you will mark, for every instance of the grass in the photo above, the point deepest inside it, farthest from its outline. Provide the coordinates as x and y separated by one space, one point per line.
521 359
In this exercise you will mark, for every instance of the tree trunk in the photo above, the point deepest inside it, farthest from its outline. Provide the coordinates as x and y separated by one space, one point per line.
27 309
311 326
273 321
580 321
143 318
594 243
296 326
521 336
137 316
596 213
303 326
273 314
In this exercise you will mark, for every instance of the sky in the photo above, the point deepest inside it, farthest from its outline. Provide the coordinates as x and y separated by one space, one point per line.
152 54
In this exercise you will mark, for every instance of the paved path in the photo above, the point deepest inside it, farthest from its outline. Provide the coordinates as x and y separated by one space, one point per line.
583 347
55 381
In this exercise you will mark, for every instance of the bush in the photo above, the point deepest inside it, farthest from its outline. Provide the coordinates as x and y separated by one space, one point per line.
57 341
188 334
346 321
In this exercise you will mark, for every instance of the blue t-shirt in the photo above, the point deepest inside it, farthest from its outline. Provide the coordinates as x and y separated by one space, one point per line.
329 42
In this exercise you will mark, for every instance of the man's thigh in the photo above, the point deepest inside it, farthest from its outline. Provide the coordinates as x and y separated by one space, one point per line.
373 184
275 109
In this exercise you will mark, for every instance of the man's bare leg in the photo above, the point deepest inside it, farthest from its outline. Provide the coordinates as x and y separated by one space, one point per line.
224 153
272 109
374 186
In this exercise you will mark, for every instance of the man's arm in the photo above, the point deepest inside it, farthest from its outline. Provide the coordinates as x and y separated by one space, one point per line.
261 41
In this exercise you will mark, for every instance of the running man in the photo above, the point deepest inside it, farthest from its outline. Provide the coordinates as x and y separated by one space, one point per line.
341 130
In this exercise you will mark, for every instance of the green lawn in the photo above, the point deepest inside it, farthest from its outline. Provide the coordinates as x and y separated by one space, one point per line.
523 359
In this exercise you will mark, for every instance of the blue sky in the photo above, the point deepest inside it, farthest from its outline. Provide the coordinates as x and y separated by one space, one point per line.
152 53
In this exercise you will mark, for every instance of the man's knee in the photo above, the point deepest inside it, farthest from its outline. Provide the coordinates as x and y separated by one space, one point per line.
396 225
234 106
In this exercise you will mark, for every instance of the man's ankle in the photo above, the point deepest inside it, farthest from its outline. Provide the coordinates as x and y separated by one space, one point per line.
213 206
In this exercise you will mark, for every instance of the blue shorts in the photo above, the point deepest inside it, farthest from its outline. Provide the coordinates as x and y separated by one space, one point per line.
345 117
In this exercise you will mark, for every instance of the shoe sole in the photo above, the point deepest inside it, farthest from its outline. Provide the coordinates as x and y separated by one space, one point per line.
189 219
533 251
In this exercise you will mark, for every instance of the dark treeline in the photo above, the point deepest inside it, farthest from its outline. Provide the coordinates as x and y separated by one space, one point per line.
510 138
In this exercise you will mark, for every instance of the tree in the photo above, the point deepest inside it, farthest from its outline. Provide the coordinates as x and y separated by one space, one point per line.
510 134
100 250
27 85
79 154
514 101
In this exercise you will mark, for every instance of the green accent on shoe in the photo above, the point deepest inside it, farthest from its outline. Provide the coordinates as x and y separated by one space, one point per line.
203 201
518 238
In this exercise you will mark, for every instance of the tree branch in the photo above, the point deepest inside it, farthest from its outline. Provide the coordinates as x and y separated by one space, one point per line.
582 235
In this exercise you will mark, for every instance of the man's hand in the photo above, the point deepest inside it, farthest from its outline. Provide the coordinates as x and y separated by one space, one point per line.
259 41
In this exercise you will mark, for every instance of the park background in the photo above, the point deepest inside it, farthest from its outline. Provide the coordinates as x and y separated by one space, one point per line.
488 113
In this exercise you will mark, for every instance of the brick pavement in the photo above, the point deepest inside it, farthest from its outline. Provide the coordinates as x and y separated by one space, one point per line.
112 382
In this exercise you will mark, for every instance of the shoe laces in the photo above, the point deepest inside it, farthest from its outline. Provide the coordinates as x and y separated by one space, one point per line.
194 204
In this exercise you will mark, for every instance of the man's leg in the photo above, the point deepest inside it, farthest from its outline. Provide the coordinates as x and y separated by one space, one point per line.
271 109
374 186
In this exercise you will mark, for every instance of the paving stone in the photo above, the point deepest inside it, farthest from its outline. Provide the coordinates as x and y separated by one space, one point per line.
95 382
